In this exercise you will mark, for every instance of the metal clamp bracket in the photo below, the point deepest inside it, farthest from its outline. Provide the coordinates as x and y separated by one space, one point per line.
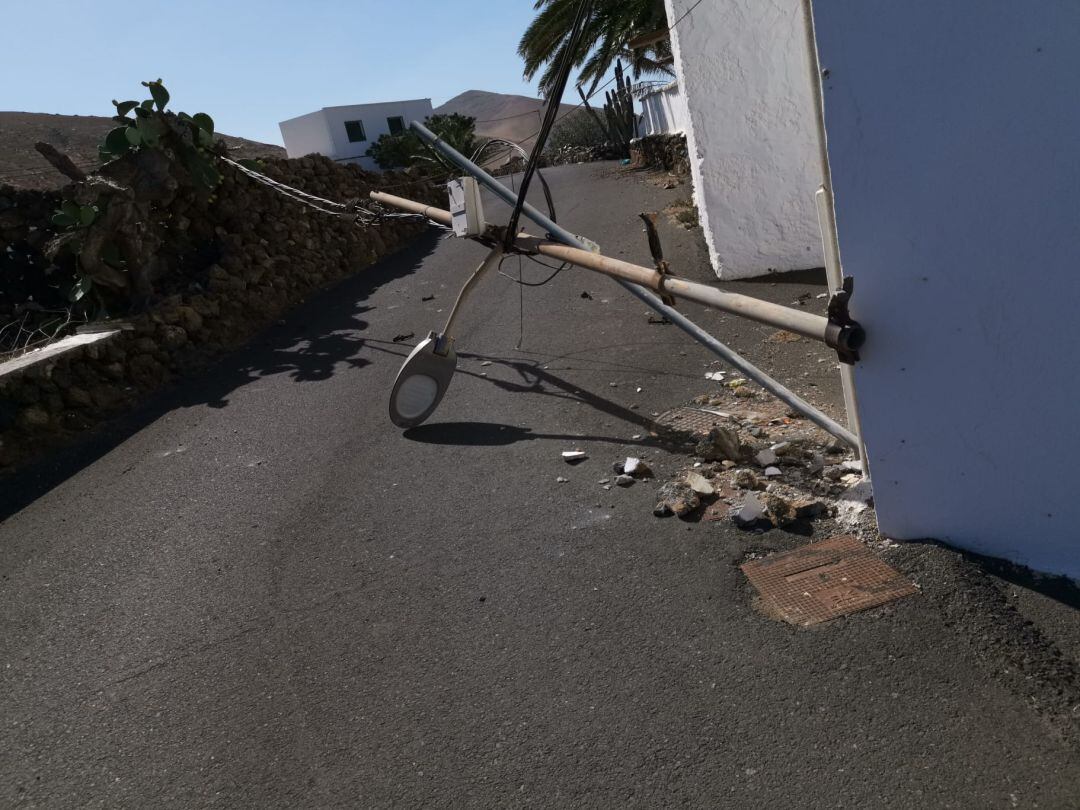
844 334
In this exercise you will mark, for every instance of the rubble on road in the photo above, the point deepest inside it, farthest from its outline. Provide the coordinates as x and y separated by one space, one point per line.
676 498
574 456
632 467
762 466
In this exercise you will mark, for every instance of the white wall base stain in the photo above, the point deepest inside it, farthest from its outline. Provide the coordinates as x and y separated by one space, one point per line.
752 137
952 135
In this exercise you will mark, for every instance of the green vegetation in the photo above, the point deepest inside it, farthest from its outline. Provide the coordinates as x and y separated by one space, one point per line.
610 25
407 150
190 137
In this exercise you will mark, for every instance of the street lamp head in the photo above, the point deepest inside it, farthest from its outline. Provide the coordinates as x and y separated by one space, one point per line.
422 381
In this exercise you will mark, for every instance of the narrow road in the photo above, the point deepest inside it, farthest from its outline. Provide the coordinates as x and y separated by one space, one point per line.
256 592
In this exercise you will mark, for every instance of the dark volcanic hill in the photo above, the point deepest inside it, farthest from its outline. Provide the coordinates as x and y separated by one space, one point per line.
499 115
78 136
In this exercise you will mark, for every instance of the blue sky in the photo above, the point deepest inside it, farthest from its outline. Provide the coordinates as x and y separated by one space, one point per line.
252 63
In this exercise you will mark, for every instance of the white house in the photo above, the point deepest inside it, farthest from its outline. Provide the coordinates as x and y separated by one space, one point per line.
345 133
664 110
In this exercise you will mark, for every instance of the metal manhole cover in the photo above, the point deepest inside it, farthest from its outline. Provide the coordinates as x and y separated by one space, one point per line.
825 580
696 421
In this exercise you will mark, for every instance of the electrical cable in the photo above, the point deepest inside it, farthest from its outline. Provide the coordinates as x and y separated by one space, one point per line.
551 114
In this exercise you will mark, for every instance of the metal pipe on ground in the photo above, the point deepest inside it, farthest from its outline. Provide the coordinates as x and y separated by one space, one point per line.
560 234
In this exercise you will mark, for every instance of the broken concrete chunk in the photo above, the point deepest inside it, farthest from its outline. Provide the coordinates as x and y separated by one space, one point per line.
676 498
721 443
636 467
860 492
765 458
574 456
561 480
785 505
751 511
699 483
746 479
624 480
772 472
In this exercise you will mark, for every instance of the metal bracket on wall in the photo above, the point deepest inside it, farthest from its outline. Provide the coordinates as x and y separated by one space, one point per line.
843 334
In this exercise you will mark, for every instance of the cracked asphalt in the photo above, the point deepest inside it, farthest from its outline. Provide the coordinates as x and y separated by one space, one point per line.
256 592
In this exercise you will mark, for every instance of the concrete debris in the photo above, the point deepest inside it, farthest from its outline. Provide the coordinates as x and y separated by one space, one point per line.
561 480
699 483
718 376
574 456
751 511
722 443
786 505
767 466
861 492
676 498
766 458
746 479
624 480
637 468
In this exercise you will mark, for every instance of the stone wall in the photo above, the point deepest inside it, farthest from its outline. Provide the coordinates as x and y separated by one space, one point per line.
235 262
584 154
661 152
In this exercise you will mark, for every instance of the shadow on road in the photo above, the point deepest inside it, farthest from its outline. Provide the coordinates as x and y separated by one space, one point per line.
316 339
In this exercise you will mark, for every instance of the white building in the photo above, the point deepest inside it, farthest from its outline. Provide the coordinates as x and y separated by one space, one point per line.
663 110
345 133
752 132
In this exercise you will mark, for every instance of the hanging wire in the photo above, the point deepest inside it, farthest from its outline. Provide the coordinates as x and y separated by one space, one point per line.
551 113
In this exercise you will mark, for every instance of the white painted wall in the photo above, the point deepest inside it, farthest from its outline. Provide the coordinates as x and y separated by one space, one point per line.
323 131
952 139
664 111
752 139
306 135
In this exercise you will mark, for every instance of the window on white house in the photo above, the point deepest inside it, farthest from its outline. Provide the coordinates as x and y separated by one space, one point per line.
355 131
396 124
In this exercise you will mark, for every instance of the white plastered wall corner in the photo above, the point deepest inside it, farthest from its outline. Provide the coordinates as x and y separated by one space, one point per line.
752 134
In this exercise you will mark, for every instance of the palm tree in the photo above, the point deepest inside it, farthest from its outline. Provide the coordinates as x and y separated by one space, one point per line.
609 26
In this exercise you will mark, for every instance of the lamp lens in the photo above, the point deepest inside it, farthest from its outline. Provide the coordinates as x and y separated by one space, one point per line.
415 395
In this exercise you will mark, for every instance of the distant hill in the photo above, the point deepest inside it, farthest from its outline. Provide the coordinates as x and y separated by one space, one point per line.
498 115
78 136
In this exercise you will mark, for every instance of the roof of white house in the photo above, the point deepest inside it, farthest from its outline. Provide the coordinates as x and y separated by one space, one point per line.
355 106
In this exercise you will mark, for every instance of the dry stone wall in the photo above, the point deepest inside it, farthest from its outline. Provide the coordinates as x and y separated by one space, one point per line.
230 264
662 152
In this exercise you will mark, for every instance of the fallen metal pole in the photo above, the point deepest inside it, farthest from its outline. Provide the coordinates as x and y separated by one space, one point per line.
806 324
700 335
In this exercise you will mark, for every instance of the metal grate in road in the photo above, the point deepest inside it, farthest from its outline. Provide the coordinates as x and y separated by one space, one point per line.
695 421
825 580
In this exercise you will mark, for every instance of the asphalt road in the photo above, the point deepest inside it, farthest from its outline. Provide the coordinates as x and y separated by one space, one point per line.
256 592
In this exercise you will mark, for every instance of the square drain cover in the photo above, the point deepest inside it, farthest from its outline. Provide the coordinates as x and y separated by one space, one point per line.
695 421
824 580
